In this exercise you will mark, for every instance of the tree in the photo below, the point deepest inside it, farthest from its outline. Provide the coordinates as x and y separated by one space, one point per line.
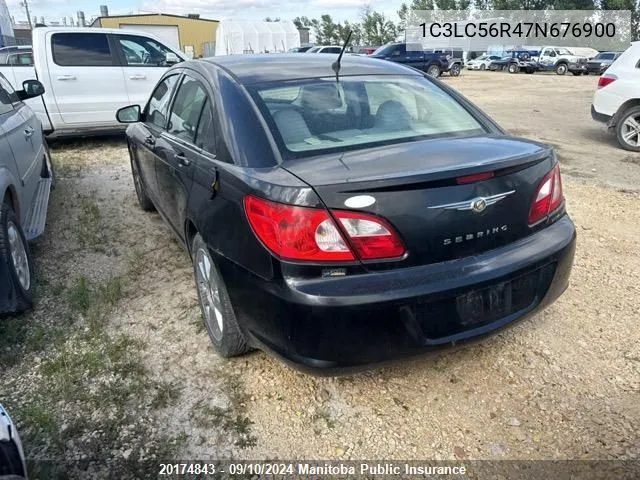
376 28
269 19
326 30
303 22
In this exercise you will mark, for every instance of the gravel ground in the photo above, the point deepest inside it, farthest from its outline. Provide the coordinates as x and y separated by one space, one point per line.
563 384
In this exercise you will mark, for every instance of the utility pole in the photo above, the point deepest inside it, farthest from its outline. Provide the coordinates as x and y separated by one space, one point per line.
26 7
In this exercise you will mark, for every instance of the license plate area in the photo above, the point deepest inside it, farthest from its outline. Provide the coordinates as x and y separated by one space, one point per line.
482 306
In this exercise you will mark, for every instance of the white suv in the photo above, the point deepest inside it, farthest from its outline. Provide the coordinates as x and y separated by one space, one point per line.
617 100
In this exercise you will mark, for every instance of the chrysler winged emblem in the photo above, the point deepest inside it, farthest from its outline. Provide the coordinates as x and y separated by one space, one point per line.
477 204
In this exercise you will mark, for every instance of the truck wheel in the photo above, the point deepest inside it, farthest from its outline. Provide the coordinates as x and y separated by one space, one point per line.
628 129
16 258
434 71
145 202
513 68
561 68
454 71
576 74
217 311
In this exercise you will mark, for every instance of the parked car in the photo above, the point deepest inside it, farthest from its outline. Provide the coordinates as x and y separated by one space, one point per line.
367 50
599 64
325 49
17 55
26 176
561 61
482 62
12 463
515 61
343 223
300 49
88 73
616 102
433 63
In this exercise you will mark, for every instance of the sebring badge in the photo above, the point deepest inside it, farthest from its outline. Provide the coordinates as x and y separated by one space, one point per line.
478 204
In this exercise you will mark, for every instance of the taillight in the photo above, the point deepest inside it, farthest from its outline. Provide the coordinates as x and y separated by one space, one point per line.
478 177
606 79
311 234
548 196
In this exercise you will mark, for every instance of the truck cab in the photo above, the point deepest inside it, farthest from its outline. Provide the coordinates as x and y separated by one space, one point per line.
561 60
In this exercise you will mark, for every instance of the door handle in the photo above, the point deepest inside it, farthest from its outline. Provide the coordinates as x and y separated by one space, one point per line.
66 77
182 160
28 132
137 77
150 140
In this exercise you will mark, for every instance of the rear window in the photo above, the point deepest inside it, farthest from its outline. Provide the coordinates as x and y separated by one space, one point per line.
81 50
321 116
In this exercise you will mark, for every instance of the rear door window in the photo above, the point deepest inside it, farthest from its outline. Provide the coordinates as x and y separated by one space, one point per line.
158 106
142 51
81 50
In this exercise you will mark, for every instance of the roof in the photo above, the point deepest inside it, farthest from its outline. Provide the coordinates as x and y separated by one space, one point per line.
250 69
183 17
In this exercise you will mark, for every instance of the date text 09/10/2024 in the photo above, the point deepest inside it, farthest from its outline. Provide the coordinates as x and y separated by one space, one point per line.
258 468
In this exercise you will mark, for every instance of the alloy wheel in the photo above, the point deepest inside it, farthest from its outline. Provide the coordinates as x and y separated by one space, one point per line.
19 255
209 293
433 71
630 131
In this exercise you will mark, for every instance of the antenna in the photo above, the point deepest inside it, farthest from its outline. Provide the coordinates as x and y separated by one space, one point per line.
336 65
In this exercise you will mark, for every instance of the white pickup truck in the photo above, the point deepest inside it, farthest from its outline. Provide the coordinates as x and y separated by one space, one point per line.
89 73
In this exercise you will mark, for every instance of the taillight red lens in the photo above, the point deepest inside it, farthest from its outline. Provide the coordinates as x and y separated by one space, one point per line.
311 234
372 237
296 233
478 177
606 79
548 196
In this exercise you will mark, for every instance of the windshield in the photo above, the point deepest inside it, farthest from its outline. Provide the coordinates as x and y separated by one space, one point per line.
483 57
605 56
314 49
563 51
321 116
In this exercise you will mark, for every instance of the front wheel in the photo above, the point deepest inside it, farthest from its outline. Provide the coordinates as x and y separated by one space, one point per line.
143 199
561 69
16 261
482 66
434 71
215 304
628 129
513 68
454 71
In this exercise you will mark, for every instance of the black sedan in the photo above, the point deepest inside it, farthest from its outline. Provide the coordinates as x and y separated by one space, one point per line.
344 221
599 64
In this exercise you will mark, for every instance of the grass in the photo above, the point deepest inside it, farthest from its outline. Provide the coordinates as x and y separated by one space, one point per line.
88 229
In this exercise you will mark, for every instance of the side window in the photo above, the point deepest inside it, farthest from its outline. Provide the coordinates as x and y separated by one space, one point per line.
21 59
81 50
186 109
6 103
142 52
8 91
205 136
158 106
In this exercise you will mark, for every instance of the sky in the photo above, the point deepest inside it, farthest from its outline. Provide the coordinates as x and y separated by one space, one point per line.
340 10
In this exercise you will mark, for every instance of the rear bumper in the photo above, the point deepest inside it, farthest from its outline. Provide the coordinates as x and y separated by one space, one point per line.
600 117
343 323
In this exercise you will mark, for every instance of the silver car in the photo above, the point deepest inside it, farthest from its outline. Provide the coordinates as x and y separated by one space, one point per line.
26 177
12 464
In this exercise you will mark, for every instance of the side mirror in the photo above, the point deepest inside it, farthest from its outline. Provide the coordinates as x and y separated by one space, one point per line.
30 89
130 114
171 58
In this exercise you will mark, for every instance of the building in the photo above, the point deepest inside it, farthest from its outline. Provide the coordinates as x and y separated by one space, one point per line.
193 35
242 37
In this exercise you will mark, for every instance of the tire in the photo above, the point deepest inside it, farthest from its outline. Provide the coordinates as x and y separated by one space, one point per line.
11 467
576 74
47 167
16 258
623 129
455 69
434 71
143 199
530 71
513 68
561 68
215 304
483 66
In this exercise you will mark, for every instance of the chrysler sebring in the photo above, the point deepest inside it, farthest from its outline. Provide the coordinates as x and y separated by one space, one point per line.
340 217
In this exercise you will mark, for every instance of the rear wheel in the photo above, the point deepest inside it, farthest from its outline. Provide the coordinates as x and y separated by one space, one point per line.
434 71
145 202
15 255
217 311
628 129
513 68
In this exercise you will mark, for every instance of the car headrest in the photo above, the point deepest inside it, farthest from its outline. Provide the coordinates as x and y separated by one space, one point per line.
321 96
